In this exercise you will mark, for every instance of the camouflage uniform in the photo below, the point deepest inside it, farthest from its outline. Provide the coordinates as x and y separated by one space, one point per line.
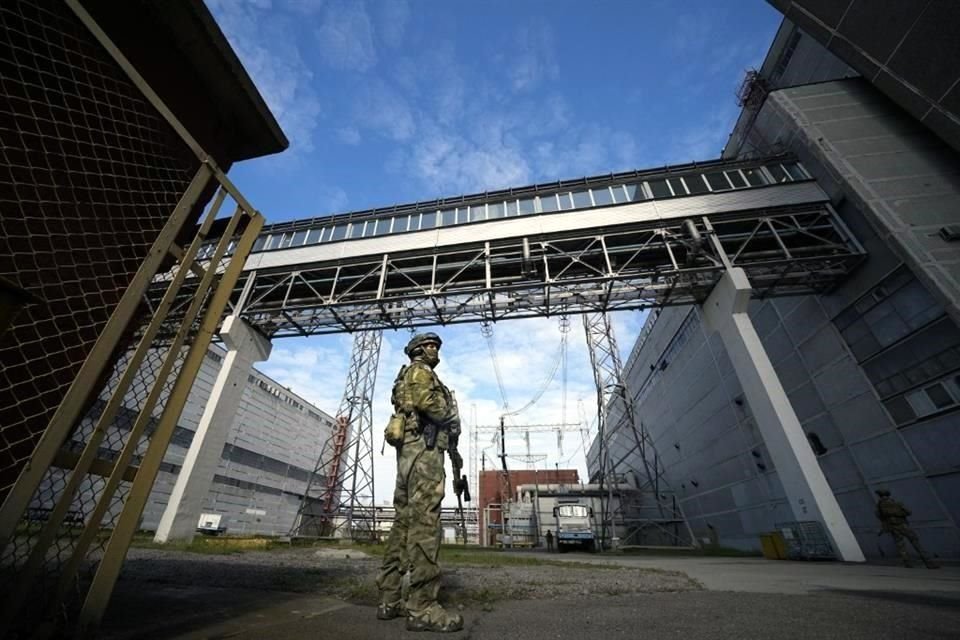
414 541
893 520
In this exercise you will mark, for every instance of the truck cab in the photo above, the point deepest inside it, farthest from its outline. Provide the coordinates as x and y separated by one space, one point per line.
574 526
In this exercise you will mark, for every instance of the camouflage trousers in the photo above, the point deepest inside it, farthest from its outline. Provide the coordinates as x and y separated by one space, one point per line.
901 533
414 541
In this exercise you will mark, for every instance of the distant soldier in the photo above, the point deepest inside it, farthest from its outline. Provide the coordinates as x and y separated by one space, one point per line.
549 537
425 424
893 520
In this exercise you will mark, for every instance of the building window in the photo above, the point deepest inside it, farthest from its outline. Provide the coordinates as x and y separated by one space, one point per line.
696 185
816 444
919 403
548 203
718 181
660 189
581 200
602 196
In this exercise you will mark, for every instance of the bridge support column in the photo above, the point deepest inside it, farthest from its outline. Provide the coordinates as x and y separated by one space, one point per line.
811 498
244 347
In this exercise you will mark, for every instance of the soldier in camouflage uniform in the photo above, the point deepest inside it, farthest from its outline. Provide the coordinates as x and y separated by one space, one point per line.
426 410
893 520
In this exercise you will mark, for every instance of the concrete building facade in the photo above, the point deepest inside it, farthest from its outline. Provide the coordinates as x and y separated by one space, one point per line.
872 369
271 450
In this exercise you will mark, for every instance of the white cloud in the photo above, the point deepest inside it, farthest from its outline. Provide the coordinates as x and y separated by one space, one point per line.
346 37
275 64
379 107
391 19
587 150
349 135
305 7
704 142
447 163
533 60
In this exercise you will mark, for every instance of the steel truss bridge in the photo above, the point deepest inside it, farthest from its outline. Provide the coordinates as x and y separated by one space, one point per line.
624 241
655 252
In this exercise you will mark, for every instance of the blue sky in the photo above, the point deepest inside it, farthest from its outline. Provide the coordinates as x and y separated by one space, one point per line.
395 101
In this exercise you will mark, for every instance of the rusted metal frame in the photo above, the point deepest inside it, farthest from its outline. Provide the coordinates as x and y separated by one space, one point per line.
143 419
88 456
99 357
116 549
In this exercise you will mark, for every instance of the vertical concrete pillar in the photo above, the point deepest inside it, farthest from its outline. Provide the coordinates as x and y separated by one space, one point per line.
811 498
244 347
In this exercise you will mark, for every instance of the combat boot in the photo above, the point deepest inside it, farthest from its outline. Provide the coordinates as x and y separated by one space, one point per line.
434 618
390 611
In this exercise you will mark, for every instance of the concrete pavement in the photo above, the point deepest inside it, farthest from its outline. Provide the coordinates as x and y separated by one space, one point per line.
759 575
744 598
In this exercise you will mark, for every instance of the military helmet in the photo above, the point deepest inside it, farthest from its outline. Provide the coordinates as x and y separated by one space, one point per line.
883 493
419 340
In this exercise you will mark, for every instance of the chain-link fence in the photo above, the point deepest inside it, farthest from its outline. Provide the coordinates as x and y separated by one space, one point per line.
89 174
99 192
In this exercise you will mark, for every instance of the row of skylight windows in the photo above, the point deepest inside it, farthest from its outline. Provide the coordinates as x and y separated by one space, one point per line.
692 184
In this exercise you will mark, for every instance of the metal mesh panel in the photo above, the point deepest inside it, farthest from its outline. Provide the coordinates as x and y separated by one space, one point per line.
67 566
89 173
90 493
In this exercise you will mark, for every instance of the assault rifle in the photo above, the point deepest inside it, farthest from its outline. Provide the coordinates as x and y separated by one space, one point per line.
462 489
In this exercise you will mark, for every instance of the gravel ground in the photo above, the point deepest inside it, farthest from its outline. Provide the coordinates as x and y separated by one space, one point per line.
327 572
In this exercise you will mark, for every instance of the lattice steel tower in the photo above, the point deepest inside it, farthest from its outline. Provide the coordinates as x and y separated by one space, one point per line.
339 493
649 514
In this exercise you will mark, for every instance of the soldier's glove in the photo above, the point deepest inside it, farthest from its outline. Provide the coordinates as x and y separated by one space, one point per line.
455 459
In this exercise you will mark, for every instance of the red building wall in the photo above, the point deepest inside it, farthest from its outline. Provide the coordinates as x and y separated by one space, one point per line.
489 492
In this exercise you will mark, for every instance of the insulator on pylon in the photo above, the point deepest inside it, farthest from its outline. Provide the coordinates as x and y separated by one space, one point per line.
486 328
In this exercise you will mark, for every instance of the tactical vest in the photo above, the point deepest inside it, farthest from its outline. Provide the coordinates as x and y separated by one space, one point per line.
405 413
892 511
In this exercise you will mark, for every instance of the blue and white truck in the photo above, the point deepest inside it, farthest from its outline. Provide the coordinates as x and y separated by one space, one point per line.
574 526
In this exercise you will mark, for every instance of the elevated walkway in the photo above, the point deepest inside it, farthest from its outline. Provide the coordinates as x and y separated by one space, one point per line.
622 241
